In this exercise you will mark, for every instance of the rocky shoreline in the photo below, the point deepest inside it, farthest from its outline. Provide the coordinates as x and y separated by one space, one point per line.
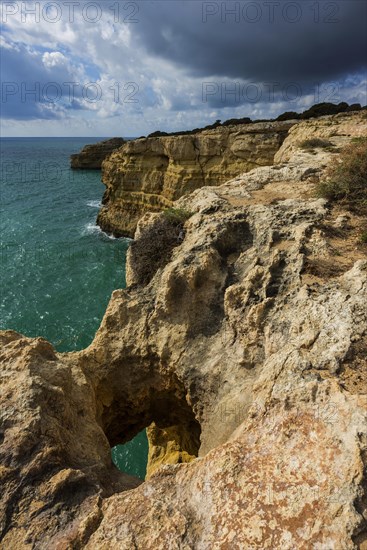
149 174
92 156
243 352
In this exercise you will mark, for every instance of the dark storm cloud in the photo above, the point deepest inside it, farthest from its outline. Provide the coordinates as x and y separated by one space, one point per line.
303 41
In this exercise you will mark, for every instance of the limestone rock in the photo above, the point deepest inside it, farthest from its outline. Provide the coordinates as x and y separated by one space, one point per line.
55 458
148 174
244 354
338 129
92 156
166 447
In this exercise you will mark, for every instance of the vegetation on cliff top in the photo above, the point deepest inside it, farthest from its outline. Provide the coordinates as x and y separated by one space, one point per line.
154 247
320 109
316 143
346 180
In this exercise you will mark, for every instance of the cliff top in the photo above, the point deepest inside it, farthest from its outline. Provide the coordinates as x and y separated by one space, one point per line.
316 111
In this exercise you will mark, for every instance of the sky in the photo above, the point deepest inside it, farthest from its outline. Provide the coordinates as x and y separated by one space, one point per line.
129 68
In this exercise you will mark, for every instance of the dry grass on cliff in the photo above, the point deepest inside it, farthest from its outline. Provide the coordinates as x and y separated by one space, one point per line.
346 180
344 244
316 143
154 247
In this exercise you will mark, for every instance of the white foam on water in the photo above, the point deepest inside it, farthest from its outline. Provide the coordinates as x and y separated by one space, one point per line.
91 228
94 229
94 204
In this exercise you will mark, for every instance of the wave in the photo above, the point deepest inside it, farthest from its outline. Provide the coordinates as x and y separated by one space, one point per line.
94 204
94 229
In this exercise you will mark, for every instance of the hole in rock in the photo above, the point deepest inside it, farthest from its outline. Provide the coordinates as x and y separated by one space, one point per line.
236 237
132 457
158 429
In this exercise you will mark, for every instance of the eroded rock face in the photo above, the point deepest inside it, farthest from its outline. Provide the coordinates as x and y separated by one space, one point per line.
92 156
148 174
338 129
247 348
55 458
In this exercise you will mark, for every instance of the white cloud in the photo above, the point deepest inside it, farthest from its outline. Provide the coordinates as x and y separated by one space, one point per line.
110 55
8 45
54 59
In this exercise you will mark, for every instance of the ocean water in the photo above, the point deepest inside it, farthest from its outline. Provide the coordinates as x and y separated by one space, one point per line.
58 269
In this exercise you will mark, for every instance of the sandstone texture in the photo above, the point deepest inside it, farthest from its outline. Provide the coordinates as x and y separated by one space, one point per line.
92 156
245 355
148 174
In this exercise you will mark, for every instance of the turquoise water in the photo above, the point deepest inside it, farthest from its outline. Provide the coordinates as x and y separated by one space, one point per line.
58 269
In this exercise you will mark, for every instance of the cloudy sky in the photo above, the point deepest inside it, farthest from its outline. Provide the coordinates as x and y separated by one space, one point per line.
128 68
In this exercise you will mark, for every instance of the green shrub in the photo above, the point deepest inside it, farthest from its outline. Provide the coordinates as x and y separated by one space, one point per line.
177 215
237 121
322 109
153 249
346 181
363 237
315 143
288 115
359 140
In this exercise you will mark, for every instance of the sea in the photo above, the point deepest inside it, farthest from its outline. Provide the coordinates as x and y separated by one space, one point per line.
58 269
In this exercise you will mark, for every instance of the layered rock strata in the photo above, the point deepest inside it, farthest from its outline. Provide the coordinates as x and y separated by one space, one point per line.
92 156
244 354
148 174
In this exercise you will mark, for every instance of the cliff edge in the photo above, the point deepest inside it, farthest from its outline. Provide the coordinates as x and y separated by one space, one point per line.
149 174
92 156
240 342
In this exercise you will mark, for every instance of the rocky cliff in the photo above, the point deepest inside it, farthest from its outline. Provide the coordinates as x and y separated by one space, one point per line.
243 349
92 156
148 174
